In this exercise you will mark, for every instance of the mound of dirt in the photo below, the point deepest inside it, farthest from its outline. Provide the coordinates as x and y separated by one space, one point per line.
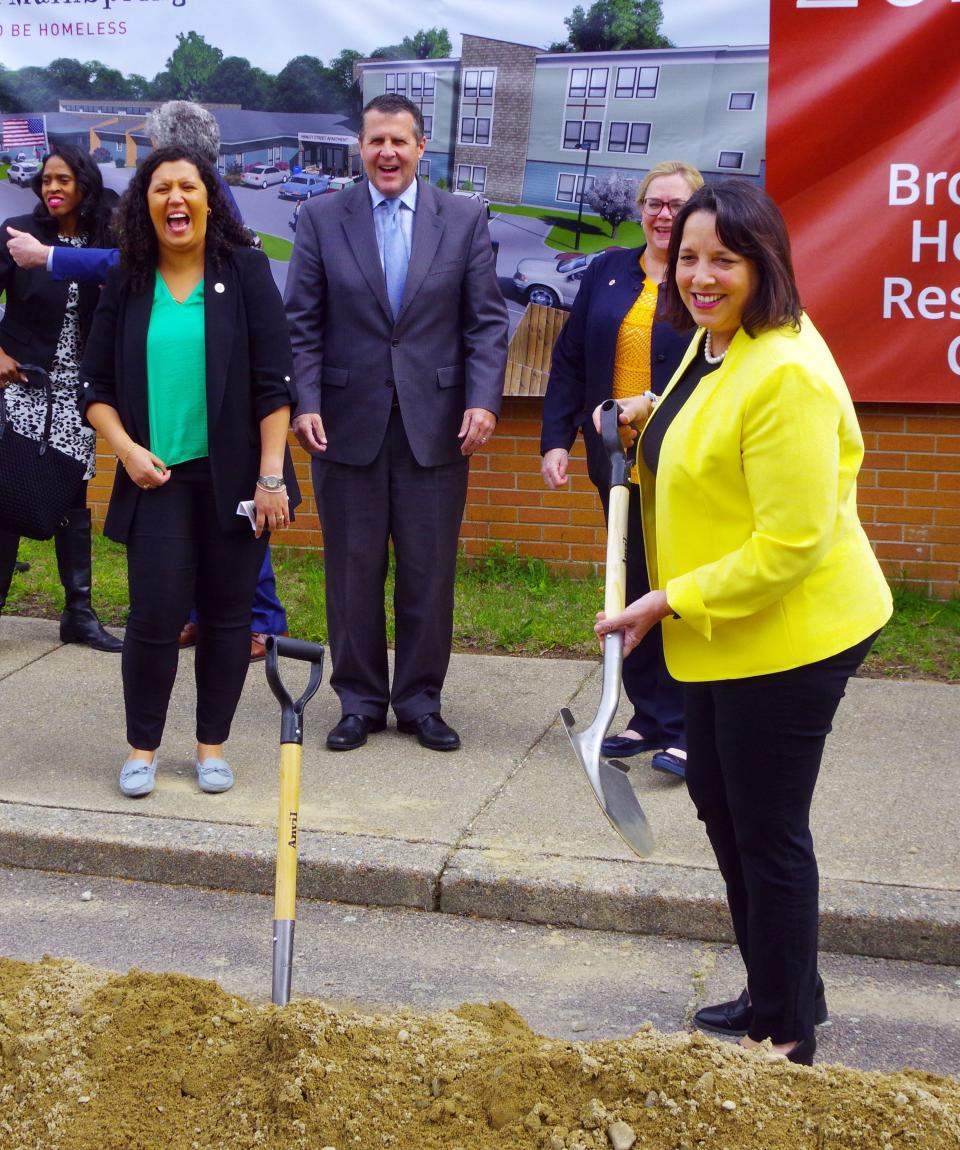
96 1061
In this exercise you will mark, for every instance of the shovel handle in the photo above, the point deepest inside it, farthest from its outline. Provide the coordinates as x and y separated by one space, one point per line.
291 711
288 819
615 585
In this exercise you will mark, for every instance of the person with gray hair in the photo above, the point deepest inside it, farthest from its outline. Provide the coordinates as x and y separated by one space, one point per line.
184 124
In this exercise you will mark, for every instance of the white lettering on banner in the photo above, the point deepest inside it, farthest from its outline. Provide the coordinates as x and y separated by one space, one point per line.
953 356
930 302
939 241
904 185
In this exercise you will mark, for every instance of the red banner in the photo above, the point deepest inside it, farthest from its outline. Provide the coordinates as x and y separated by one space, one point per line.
863 157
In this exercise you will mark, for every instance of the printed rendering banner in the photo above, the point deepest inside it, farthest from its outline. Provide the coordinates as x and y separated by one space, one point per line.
863 156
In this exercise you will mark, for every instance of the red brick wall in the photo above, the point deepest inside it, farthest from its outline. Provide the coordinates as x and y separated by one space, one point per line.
909 496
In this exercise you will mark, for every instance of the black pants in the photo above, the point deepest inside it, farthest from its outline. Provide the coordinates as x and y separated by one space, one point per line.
656 697
361 510
178 555
754 748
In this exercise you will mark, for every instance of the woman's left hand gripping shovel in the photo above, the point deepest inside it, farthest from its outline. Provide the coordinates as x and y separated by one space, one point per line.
291 748
608 777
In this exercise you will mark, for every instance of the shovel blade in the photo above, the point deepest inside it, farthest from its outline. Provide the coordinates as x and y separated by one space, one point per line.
609 782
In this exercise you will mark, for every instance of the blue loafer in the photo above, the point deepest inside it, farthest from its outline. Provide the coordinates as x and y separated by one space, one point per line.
670 764
621 747
214 776
137 777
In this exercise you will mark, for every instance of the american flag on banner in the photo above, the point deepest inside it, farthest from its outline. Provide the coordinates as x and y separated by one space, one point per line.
28 131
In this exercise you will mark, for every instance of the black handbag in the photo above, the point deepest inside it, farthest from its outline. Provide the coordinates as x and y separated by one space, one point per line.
38 483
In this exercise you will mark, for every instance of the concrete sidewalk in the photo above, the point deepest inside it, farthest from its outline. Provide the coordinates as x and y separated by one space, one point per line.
506 828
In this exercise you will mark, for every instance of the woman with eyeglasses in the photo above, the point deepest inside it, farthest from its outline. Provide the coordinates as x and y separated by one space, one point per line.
616 342
767 591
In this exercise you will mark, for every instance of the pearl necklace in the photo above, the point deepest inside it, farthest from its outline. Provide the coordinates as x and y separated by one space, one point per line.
708 352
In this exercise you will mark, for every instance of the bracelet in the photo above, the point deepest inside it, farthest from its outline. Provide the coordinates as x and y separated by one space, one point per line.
274 487
123 461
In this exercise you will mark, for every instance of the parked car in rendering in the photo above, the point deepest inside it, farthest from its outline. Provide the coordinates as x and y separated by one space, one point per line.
475 196
261 175
303 186
552 283
338 183
22 172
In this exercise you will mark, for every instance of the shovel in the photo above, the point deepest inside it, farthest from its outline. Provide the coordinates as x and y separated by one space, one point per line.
608 777
291 749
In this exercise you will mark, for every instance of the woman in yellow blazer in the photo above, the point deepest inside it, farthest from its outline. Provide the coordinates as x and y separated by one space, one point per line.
767 588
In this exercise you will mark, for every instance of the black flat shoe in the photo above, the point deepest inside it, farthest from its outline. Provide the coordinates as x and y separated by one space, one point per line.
802 1054
734 1017
431 731
351 732
622 747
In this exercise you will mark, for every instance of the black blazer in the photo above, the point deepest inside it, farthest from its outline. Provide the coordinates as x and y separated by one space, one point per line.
36 303
249 370
581 371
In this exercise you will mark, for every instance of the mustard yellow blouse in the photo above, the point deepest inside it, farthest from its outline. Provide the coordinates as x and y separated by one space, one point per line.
631 363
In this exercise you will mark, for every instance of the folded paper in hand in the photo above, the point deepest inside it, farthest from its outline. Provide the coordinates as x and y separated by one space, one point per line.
248 508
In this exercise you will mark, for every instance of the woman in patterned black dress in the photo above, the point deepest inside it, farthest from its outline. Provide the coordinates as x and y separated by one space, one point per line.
46 323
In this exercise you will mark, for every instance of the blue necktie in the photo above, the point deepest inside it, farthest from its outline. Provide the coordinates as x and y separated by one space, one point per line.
394 255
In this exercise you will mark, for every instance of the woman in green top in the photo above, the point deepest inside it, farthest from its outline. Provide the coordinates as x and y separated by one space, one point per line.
188 376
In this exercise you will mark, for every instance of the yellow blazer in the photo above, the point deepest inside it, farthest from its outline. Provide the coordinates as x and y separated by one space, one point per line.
751 525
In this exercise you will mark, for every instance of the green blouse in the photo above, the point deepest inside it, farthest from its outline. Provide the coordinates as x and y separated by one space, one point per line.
177 376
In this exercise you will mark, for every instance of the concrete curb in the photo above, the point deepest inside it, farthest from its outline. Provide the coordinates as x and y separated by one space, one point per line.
881 921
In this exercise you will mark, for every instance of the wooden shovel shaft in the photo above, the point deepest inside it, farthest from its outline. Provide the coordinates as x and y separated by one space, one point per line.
615 587
285 893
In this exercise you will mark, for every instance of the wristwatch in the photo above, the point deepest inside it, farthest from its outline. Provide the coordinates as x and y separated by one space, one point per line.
271 482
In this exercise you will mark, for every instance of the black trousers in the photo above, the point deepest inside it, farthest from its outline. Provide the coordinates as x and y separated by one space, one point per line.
361 510
178 555
656 697
754 749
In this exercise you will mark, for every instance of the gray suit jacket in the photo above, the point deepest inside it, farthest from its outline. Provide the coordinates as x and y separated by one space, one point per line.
445 352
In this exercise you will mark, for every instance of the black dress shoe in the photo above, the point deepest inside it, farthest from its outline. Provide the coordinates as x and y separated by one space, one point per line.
734 1018
431 731
352 730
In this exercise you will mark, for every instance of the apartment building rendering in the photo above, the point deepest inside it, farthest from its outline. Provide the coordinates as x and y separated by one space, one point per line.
524 126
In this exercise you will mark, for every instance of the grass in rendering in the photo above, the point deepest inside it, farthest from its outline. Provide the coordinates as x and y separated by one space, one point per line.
276 247
594 233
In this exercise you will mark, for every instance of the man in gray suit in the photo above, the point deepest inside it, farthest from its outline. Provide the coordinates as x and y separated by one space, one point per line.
400 337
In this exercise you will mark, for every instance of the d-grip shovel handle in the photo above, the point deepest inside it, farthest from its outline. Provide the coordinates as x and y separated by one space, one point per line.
291 712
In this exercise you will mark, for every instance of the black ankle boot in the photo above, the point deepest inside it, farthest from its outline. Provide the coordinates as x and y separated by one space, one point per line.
8 561
79 623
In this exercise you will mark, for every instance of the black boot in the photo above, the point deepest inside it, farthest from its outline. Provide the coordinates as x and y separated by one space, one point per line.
79 623
8 558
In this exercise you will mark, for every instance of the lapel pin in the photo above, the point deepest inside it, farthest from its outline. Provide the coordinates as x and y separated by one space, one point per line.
218 287
611 283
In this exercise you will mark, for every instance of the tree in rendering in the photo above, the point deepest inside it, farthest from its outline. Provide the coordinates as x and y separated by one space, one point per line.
614 199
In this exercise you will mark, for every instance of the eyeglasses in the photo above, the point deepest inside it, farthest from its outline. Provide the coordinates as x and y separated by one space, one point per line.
655 207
